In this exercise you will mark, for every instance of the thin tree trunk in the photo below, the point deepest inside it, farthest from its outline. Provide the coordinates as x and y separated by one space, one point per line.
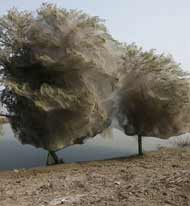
54 157
140 152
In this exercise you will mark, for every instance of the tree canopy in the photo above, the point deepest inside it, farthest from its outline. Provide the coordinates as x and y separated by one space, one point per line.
154 94
53 64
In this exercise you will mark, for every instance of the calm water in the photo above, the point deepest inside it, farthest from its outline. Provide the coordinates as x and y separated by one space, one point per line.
15 155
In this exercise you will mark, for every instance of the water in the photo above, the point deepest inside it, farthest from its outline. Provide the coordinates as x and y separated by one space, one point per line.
14 155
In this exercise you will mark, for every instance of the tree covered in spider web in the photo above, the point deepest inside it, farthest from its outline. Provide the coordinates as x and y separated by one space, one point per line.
154 94
54 63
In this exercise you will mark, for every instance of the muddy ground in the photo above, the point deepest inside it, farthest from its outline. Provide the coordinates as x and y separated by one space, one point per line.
157 178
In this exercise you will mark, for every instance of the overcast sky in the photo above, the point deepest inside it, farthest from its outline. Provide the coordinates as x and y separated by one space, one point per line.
160 24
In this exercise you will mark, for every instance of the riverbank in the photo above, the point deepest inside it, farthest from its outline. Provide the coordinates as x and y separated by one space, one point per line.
155 179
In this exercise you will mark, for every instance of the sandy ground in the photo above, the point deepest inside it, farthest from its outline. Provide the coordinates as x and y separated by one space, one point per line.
157 178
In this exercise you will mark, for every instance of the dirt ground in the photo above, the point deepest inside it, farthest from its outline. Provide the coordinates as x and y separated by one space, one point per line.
157 178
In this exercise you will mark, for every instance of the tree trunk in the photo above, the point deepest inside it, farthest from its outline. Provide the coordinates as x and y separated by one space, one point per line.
140 152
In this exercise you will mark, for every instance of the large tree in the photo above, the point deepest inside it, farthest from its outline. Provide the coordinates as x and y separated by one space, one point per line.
58 67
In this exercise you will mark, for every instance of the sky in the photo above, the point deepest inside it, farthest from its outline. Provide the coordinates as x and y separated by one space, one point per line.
160 24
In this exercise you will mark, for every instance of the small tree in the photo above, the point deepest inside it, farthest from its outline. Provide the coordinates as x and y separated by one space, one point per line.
154 94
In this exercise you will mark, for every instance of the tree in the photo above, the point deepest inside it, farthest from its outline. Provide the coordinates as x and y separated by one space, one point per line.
57 67
154 95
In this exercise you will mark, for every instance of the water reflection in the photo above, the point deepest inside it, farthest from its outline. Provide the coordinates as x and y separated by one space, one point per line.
15 155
